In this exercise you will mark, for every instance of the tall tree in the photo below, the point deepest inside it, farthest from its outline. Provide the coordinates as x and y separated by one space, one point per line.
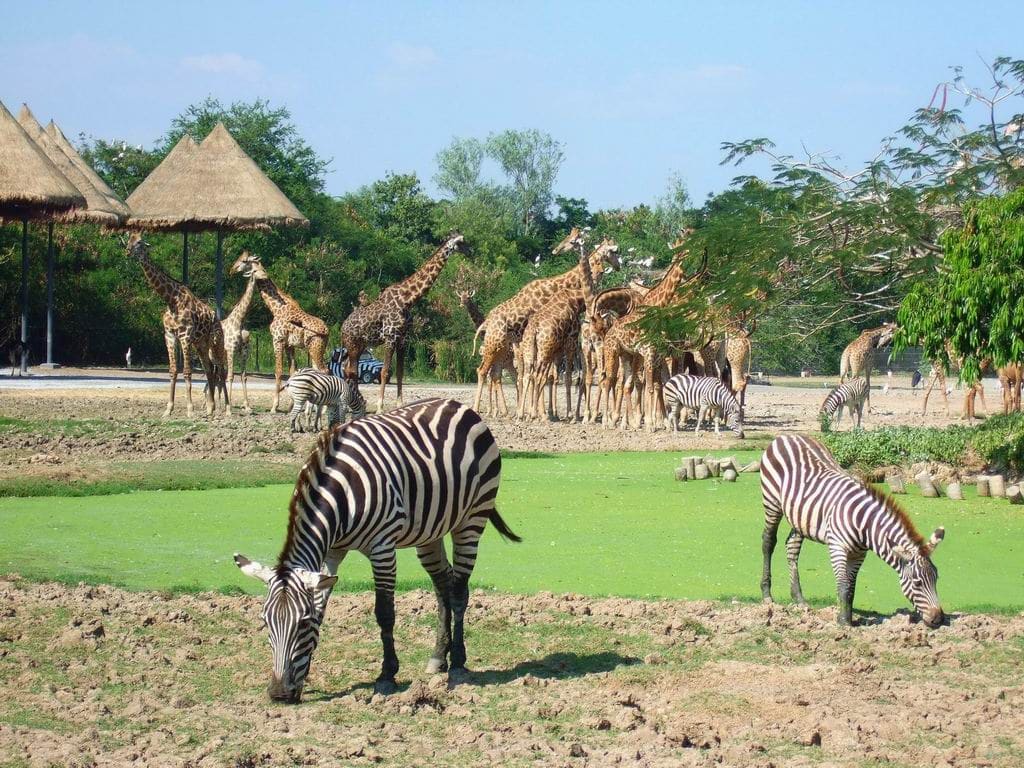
530 160
458 168
975 303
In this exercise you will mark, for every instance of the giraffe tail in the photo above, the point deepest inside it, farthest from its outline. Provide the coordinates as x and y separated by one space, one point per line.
477 335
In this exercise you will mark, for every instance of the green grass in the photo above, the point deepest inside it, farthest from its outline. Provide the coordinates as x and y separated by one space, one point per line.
597 524
99 427
166 475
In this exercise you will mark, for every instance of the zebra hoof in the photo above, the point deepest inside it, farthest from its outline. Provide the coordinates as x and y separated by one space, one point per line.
457 676
385 687
436 665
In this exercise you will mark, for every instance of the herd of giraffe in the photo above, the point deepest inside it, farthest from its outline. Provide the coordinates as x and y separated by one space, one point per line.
562 327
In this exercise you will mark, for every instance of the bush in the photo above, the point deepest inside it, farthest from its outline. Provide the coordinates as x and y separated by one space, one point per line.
998 443
454 361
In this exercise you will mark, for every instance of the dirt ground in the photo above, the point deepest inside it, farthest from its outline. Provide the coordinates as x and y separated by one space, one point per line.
95 676
127 424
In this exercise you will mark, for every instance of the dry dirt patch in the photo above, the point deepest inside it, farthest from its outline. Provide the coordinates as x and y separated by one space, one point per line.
99 676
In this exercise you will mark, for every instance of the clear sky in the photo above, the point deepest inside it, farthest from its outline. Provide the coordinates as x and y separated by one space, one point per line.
636 91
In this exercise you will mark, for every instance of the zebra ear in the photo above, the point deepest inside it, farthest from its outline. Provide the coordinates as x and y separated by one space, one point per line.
317 581
254 569
903 554
933 542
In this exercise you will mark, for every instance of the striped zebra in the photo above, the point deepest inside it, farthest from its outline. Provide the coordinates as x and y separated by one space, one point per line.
405 478
801 480
309 387
706 395
852 394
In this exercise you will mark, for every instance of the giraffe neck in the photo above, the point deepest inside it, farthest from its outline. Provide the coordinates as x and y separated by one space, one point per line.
474 311
166 286
661 294
240 309
414 287
272 297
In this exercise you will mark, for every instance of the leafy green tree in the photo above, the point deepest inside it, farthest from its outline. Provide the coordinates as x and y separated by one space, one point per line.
122 166
976 303
458 168
397 205
530 161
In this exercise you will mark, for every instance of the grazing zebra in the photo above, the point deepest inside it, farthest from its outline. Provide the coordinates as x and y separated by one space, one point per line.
706 395
852 394
313 388
405 478
801 480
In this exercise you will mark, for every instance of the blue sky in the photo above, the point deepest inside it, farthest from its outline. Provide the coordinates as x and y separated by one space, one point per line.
635 91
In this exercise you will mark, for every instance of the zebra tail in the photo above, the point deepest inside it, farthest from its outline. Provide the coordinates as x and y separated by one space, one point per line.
502 527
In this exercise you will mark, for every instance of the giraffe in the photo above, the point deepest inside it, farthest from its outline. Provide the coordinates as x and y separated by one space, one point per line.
504 326
1010 378
607 306
972 392
291 326
236 340
386 320
859 356
190 323
624 343
552 334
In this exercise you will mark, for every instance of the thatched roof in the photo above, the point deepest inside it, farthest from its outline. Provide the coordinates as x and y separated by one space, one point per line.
98 209
31 186
216 186
117 205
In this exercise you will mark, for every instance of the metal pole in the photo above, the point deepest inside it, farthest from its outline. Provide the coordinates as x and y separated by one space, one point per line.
184 258
50 264
220 274
24 296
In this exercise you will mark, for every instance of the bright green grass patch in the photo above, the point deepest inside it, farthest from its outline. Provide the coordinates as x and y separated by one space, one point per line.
598 524
167 475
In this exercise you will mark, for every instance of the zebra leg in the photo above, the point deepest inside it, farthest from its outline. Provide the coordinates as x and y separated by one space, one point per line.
464 547
770 536
841 560
295 414
435 562
383 562
794 541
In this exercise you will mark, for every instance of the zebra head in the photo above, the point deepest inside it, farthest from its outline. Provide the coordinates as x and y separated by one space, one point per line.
293 612
918 577
734 420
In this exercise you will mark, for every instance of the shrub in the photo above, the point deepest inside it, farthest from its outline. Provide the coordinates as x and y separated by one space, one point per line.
454 361
998 442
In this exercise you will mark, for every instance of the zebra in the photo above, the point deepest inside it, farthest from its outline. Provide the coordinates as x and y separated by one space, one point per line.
852 394
801 480
705 394
405 478
309 387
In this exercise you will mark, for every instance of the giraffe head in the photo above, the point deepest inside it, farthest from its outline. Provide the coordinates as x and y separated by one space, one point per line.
681 238
136 245
249 265
605 257
885 334
570 241
454 242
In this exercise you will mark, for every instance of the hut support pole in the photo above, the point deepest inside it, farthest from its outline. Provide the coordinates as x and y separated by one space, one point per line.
24 296
184 258
50 264
220 274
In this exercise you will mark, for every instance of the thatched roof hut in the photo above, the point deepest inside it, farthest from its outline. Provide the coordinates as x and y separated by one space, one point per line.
98 209
117 205
31 186
215 187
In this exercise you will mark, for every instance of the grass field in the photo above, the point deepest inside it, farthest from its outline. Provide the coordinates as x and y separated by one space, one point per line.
598 524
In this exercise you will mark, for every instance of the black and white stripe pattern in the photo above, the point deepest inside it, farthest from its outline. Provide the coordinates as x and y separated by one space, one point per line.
406 478
801 480
316 389
706 395
852 394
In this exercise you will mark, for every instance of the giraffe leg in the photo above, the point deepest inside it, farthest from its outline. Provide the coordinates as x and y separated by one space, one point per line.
794 542
186 364
482 377
385 373
435 562
399 369
243 360
568 390
500 391
279 352
172 368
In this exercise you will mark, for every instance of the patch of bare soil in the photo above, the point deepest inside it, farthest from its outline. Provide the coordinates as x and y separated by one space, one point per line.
127 425
95 676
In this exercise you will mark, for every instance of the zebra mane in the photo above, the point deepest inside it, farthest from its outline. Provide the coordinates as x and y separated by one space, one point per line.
887 501
305 477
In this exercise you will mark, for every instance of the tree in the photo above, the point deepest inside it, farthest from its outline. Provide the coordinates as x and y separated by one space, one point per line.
530 160
976 303
674 210
458 168
122 166
398 205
